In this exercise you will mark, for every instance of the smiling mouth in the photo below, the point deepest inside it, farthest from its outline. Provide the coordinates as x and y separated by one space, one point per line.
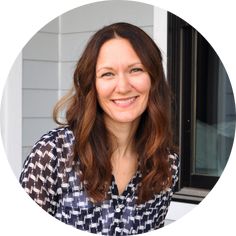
124 102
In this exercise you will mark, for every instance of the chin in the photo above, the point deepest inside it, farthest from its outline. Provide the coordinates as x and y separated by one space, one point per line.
126 119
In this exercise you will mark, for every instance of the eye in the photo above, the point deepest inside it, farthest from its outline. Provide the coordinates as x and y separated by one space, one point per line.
107 74
136 69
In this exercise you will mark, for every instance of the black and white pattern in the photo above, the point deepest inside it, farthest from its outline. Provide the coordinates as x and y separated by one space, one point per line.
58 190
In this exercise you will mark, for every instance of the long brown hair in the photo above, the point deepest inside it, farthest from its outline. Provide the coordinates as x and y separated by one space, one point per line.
153 138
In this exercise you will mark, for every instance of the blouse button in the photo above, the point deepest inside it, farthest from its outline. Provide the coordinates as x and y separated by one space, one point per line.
128 199
118 209
117 229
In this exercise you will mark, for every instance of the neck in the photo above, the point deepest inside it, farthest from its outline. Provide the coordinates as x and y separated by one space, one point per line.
123 136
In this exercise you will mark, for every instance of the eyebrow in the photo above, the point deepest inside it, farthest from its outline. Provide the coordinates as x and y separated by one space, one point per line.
110 68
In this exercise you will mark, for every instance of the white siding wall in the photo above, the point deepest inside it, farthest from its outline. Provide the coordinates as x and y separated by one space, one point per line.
11 112
160 33
39 84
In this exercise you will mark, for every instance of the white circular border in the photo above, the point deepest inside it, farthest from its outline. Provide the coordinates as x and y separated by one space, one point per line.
20 20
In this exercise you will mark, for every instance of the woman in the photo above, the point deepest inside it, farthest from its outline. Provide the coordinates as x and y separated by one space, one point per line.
109 168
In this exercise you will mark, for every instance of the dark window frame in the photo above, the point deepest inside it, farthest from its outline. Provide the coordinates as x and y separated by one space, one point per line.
181 66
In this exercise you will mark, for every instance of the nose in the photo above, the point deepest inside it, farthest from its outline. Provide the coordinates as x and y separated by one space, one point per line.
123 84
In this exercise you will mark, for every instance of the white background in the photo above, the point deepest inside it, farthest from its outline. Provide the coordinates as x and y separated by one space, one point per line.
20 20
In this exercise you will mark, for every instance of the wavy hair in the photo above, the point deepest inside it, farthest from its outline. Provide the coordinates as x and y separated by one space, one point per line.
84 116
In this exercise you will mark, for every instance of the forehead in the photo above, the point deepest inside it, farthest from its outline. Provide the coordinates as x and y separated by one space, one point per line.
115 50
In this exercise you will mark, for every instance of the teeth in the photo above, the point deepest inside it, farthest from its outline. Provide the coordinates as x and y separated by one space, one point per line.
125 101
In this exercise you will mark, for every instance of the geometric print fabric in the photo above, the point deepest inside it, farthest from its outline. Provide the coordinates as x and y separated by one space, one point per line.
58 190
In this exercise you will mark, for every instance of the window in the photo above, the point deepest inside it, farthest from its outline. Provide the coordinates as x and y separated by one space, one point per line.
203 109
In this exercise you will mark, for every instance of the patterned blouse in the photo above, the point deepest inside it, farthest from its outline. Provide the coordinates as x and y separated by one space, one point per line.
58 190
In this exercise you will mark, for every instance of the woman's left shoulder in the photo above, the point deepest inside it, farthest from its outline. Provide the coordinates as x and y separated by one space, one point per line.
174 161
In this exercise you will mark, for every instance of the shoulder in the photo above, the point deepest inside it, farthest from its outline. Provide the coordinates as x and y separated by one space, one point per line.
58 137
49 152
52 145
174 161
60 133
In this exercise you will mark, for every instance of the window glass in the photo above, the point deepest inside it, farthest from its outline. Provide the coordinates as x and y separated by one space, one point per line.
215 118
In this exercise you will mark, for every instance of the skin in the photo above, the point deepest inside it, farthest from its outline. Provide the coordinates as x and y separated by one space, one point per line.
123 87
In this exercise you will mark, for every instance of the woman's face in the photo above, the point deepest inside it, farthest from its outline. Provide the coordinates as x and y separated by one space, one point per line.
122 82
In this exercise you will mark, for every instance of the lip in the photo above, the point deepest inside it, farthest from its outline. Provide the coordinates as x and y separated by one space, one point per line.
124 102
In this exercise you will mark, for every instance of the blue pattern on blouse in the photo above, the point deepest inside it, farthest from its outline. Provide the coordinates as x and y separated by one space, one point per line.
58 190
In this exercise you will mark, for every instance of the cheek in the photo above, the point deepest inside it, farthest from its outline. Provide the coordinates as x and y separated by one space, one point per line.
143 85
104 89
